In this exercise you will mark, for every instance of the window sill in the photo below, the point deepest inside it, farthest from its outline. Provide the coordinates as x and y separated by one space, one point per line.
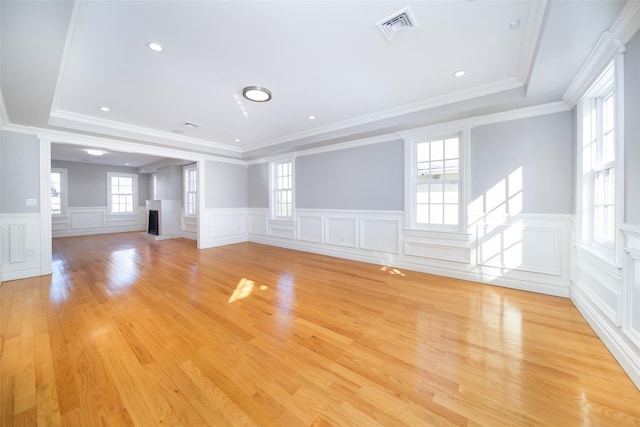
604 258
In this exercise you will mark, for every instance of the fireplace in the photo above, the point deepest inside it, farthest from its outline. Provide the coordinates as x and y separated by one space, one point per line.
164 219
154 223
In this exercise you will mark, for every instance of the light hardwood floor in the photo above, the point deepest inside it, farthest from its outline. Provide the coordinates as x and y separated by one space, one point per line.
130 331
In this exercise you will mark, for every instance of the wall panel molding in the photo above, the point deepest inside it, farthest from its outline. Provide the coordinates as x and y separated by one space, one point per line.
17 237
84 221
20 246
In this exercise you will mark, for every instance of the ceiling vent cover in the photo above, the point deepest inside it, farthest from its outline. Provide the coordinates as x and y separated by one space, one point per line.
192 125
398 24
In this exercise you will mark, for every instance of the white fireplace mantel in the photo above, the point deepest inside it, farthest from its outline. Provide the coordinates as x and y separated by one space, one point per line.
169 212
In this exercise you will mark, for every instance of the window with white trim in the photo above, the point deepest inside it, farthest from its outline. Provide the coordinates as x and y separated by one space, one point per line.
190 190
599 114
58 191
438 182
435 175
122 192
281 198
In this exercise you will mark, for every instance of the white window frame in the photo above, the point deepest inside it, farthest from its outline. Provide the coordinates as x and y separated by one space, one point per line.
64 194
273 189
610 80
110 176
187 170
411 141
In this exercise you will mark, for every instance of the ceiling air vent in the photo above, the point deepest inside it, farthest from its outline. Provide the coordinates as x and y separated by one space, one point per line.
191 125
398 24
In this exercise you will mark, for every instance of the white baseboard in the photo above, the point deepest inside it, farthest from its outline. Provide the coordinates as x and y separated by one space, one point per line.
627 354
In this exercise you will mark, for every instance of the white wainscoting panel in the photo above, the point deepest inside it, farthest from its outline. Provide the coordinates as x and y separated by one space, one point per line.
609 299
600 282
524 251
87 218
521 248
380 235
438 246
632 296
20 242
224 227
82 221
532 251
189 227
310 228
225 224
441 252
17 239
123 220
259 221
341 231
282 229
631 284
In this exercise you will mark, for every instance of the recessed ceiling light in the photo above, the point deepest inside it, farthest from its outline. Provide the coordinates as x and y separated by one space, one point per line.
126 164
105 109
256 93
459 73
156 47
312 117
237 140
95 152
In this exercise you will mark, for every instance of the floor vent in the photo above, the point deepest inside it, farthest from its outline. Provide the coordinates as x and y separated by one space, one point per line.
398 24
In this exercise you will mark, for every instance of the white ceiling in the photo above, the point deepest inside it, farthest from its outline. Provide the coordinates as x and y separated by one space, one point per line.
62 61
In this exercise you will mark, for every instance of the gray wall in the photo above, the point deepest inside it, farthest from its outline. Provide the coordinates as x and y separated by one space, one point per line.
87 183
169 182
143 188
20 172
258 185
632 130
540 147
370 177
226 185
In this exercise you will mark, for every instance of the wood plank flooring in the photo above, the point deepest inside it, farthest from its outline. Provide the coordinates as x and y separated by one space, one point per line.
130 331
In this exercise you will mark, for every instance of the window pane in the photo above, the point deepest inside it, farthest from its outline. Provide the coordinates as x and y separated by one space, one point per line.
451 148
437 150
437 170
610 214
608 147
422 195
436 194
436 214
451 214
422 214
438 181
423 152
451 192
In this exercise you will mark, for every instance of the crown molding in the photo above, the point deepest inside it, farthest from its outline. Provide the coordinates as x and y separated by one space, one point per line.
602 54
328 148
438 101
437 129
611 43
627 23
89 141
530 39
86 123
471 122
349 144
